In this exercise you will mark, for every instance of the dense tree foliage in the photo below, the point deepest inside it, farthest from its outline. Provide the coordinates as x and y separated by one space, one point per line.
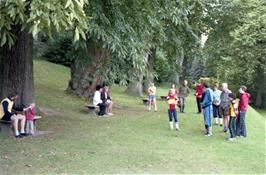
133 42
235 49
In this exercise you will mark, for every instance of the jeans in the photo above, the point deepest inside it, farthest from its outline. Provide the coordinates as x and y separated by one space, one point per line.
30 127
241 124
232 127
102 108
216 112
182 103
172 113
198 104
207 112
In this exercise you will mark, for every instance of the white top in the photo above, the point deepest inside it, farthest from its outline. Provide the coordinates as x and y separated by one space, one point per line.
97 98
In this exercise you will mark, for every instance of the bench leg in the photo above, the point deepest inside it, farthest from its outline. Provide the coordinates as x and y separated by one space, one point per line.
6 129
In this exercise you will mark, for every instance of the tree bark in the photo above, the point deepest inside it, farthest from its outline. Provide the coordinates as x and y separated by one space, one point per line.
151 61
16 68
260 100
84 78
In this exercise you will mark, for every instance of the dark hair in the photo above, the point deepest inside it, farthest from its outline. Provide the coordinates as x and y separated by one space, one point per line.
244 88
12 94
98 87
206 84
232 95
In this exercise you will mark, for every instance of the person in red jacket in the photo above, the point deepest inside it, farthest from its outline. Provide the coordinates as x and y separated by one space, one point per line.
198 94
30 113
242 108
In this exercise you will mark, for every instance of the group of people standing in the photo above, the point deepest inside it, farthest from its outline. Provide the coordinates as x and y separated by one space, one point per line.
212 102
102 99
221 104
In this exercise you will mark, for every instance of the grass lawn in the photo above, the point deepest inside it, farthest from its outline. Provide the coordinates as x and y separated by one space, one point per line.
133 141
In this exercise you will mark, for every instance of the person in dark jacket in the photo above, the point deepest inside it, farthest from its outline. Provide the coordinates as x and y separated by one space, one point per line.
183 93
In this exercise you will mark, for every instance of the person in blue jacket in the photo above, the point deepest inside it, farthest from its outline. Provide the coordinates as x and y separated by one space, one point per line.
207 108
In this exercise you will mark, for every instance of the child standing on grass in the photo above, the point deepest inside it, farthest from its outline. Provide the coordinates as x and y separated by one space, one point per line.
172 101
233 114
152 97
30 113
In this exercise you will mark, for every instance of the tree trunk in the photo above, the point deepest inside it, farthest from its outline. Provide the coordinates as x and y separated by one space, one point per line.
260 100
151 61
135 88
16 68
84 77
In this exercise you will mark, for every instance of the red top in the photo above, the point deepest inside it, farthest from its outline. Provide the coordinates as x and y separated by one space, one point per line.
172 101
30 113
199 90
243 101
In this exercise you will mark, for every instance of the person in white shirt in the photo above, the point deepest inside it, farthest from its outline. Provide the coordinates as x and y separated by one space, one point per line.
98 102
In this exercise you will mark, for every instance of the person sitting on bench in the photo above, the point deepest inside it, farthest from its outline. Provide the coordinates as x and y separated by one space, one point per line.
6 113
98 102
105 97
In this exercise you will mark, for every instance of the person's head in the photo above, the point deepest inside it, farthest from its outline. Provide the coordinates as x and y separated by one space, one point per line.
106 88
98 88
216 86
206 85
173 86
152 84
224 86
185 82
13 96
242 89
232 96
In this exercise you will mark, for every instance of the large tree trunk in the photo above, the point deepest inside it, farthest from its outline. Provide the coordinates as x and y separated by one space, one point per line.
16 68
135 88
260 99
84 78
151 61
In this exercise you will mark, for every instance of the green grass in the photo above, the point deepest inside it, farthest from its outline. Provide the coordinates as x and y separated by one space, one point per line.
133 141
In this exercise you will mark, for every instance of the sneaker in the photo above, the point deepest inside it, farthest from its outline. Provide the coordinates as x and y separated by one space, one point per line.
24 134
110 114
19 136
225 130
230 139
208 135
221 125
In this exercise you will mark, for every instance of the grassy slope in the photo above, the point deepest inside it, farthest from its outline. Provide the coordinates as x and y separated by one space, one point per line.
134 141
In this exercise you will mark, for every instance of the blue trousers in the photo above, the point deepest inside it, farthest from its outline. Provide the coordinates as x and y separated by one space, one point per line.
216 112
208 116
172 114
241 124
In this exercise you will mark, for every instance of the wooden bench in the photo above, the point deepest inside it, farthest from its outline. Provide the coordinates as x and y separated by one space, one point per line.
145 101
92 109
7 128
164 98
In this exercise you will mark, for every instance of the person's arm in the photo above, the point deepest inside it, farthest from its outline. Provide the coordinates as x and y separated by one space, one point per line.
5 107
207 100
17 108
